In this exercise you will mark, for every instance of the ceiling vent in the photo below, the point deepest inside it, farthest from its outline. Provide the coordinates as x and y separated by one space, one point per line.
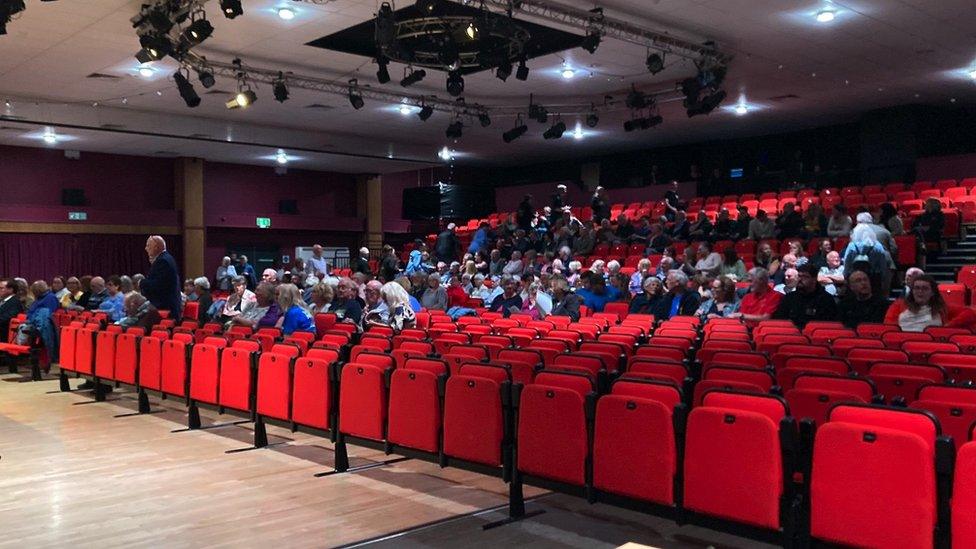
319 106
781 98
218 92
200 136
112 126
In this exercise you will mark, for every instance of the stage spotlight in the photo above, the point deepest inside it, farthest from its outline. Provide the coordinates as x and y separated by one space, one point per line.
649 122
523 71
231 8
385 28
355 99
636 100
630 125
186 90
425 112
206 77
471 31
197 32
484 119
591 42
413 78
154 48
555 131
454 130
455 83
690 88
246 98
449 56
592 119
707 104
655 63
516 132
382 74
427 7
503 70
280 89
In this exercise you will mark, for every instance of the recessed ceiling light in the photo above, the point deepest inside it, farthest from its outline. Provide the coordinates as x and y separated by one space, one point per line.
578 132
405 109
826 16
568 73
741 109
50 137
445 154
286 13
282 157
972 74
146 71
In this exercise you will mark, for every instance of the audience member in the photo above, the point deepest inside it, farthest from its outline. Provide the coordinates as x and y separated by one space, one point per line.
204 298
910 276
678 301
270 276
814 222
70 299
930 225
57 286
722 301
10 306
508 301
762 227
709 263
114 302
247 271
672 202
322 296
434 296
400 313
295 316
346 305
859 304
732 266
239 302
701 229
162 286
809 302
264 311
680 229
361 263
831 275
225 275
600 204
139 312
761 301
924 306
447 245
743 221
789 224
819 259
647 301
890 220
98 294
866 254
839 224
565 302
317 265
790 280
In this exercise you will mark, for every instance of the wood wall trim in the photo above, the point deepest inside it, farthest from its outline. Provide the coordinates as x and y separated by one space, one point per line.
83 228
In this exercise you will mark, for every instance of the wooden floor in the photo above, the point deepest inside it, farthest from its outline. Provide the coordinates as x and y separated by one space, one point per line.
73 474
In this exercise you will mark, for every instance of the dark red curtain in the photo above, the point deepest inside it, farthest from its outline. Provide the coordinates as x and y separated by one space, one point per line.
42 256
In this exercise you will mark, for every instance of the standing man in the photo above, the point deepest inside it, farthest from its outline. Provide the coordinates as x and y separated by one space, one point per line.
162 286
446 247
672 202
316 265
558 202
247 271
361 263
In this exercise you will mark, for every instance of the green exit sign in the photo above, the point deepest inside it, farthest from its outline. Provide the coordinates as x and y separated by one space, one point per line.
264 222
77 216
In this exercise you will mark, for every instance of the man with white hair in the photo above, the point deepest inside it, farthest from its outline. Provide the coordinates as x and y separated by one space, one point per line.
447 245
225 274
270 276
162 286
361 263
911 275
881 234
559 200
831 276
317 265
678 301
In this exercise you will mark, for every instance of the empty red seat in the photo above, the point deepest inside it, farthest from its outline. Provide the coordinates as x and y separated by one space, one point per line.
150 363
105 355
873 482
953 406
205 373
733 466
473 420
127 358
175 367
234 389
274 386
814 394
85 351
861 359
312 390
362 401
959 367
552 422
900 380
797 365
964 498
415 410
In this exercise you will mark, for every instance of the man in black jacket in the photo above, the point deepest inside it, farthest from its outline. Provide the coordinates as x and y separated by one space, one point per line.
860 304
447 245
10 306
809 302
162 286
361 263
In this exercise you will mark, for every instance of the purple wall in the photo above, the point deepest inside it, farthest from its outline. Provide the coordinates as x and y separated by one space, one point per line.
957 167
36 176
393 186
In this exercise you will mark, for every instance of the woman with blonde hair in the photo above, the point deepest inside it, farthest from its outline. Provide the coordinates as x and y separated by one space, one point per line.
322 296
295 314
400 313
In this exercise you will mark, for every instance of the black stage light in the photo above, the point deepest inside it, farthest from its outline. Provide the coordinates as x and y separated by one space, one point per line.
655 63
538 113
504 70
355 99
523 71
649 122
154 47
454 130
636 100
707 104
484 119
206 77
243 99
515 133
280 89
630 125
455 83
186 90
555 131
413 78
382 73
592 119
691 87
197 32
385 28
449 56
591 42
425 112
231 8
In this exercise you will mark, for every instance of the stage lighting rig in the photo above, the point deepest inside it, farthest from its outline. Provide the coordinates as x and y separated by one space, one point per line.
198 31
206 77
555 131
154 47
454 130
355 99
655 62
592 119
413 77
383 72
484 119
516 132
189 95
280 89
231 8
591 42
426 111
523 71
455 83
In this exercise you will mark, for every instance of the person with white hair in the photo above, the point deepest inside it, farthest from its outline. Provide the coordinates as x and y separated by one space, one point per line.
643 272
478 288
865 253
361 263
598 267
201 286
225 275
317 265
400 315
162 286
574 270
678 301
910 276
270 276
558 202
881 234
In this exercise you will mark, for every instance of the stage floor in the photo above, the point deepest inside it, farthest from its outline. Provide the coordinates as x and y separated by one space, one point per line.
73 474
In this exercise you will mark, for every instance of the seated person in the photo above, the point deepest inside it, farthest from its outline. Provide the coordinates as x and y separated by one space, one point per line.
139 312
597 295
722 302
859 304
508 301
264 313
790 279
809 302
295 315
565 302
761 301
790 224
678 301
924 306
646 301
701 229
434 296
832 274
113 302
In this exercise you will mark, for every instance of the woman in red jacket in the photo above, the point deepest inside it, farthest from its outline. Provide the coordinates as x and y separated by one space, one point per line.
924 307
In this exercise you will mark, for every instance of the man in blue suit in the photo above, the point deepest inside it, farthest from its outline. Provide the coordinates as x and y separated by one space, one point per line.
162 286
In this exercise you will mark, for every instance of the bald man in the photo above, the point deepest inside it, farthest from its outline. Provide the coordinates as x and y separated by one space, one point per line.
162 286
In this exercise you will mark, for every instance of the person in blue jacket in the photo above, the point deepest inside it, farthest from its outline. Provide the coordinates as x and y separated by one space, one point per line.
296 317
162 286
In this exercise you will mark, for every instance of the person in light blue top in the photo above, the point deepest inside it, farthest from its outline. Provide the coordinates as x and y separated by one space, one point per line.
296 317
415 259
114 304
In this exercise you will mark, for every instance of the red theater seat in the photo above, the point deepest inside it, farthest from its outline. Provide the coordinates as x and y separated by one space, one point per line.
474 429
552 434
964 498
